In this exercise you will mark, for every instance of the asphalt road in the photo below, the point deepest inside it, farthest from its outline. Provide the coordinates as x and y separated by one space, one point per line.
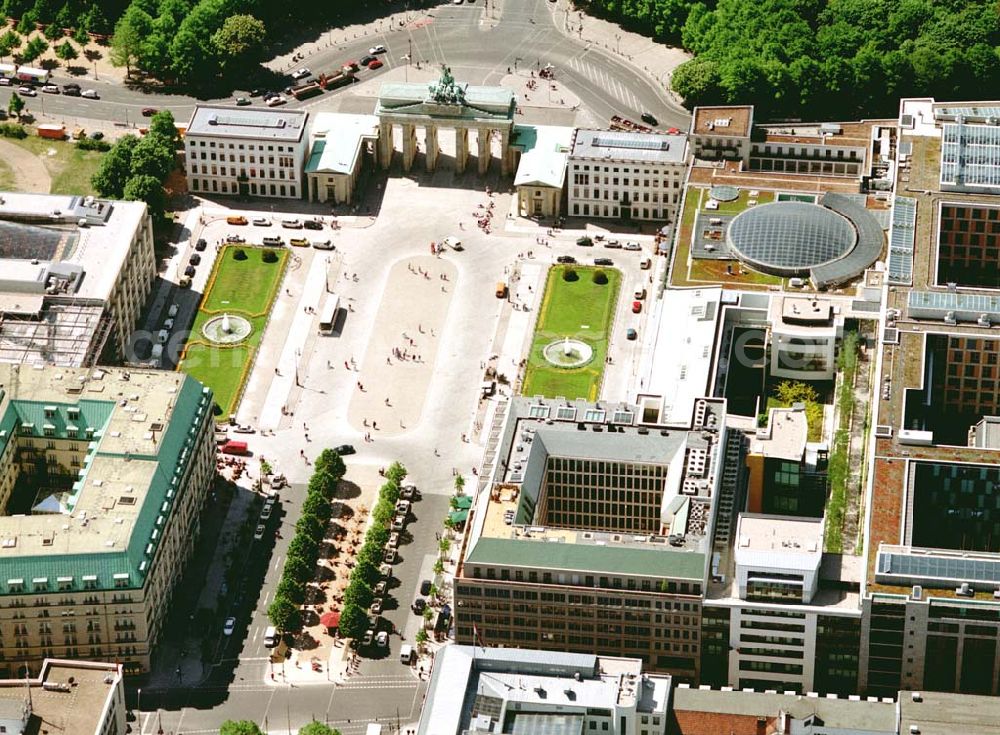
523 34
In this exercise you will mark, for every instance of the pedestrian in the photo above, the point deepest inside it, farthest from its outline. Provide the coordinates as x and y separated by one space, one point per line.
276 371
387 402
346 366
375 425
328 365
388 361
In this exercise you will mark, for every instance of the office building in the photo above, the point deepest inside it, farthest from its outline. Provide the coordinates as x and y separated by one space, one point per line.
78 697
103 477
75 273
722 132
592 534
629 176
478 689
805 333
341 154
243 151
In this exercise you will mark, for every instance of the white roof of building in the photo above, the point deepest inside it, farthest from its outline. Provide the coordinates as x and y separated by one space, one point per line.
336 141
784 437
779 542
544 151
680 364
615 145
253 123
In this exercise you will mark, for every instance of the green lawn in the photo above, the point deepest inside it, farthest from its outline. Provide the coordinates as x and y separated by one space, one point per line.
243 287
579 309
6 177
69 167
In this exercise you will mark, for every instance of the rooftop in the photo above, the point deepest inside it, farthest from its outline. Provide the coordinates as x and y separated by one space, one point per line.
337 141
940 713
722 121
836 714
79 708
637 147
134 431
250 123
970 156
784 437
544 151
779 541
846 135
805 311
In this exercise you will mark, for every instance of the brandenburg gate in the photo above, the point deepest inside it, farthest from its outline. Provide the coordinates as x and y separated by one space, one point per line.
445 103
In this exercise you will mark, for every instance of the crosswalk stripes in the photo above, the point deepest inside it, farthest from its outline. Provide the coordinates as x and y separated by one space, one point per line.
601 78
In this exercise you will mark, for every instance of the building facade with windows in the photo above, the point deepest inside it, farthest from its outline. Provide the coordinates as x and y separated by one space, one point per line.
593 535
241 151
628 176
103 477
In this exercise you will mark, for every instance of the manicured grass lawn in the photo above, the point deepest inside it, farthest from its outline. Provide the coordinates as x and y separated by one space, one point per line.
579 309
69 167
243 287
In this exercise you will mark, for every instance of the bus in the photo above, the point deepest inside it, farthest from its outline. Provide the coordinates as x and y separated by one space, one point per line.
31 74
328 318
8 71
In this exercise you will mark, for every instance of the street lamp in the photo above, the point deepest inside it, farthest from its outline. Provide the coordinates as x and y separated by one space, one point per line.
138 704
328 274
618 42
298 354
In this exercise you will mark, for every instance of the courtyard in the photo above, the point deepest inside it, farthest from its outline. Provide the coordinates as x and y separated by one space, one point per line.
237 302
578 305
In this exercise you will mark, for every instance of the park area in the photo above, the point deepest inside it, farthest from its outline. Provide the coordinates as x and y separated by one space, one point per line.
571 338
231 320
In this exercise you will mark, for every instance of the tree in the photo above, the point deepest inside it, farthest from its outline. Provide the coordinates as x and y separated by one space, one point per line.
284 614
34 48
80 35
322 485
67 51
162 124
27 23
358 593
396 473
697 81
317 728
366 571
311 526
15 105
240 38
53 32
291 587
315 504
115 169
153 156
298 569
353 622
304 548
422 637
240 727
149 189
794 391
459 484
8 42
130 34
331 463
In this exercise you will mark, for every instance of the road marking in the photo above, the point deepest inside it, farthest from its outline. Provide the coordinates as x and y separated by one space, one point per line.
142 728
277 562
266 595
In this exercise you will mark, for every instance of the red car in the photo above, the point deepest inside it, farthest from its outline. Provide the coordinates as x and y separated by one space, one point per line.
636 307
375 64
149 111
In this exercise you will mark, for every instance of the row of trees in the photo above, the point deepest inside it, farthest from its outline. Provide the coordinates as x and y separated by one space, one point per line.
359 593
248 727
135 168
303 551
833 59
13 43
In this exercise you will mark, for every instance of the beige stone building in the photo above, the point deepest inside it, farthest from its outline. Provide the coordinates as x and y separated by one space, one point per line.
103 475
342 150
75 273
541 152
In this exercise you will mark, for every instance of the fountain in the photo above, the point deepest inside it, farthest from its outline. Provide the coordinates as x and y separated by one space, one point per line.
226 329
568 353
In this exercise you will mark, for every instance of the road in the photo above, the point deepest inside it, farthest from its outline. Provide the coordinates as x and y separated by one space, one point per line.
479 50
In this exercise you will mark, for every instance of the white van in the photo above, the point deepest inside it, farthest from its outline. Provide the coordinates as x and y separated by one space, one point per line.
172 311
157 353
406 654
270 637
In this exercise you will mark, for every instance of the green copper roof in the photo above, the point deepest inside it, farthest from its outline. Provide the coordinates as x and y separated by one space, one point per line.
588 558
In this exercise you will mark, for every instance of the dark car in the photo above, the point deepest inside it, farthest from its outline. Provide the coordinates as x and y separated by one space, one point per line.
344 449
648 119
201 244
195 259
603 261
584 241
425 587
631 333
189 271
149 111
312 224
565 259
419 605
366 60
71 90
256 92
96 135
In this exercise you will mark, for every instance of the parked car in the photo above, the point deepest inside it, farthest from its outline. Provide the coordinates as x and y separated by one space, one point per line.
390 556
243 101
27 91
6 82
344 449
603 261
256 92
273 242
50 89
631 333
261 222
636 307
235 239
565 259
323 244
613 244
201 244
376 64
96 135
313 224
149 111
454 243
299 242
259 533
425 587
632 245
418 606
229 627
399 523
189 271
382 639
236 220
90 94
376 607
301 73
244 429
195 259
584 241
292 224
368 638
366 60
276 100
380 588
377 49
265 513
408 492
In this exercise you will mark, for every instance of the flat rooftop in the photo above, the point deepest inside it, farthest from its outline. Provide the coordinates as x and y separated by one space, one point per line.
722 121
78 708
134 432
337 139
248 123
616 145
784 437
790 541
940 713
810 311
839 135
